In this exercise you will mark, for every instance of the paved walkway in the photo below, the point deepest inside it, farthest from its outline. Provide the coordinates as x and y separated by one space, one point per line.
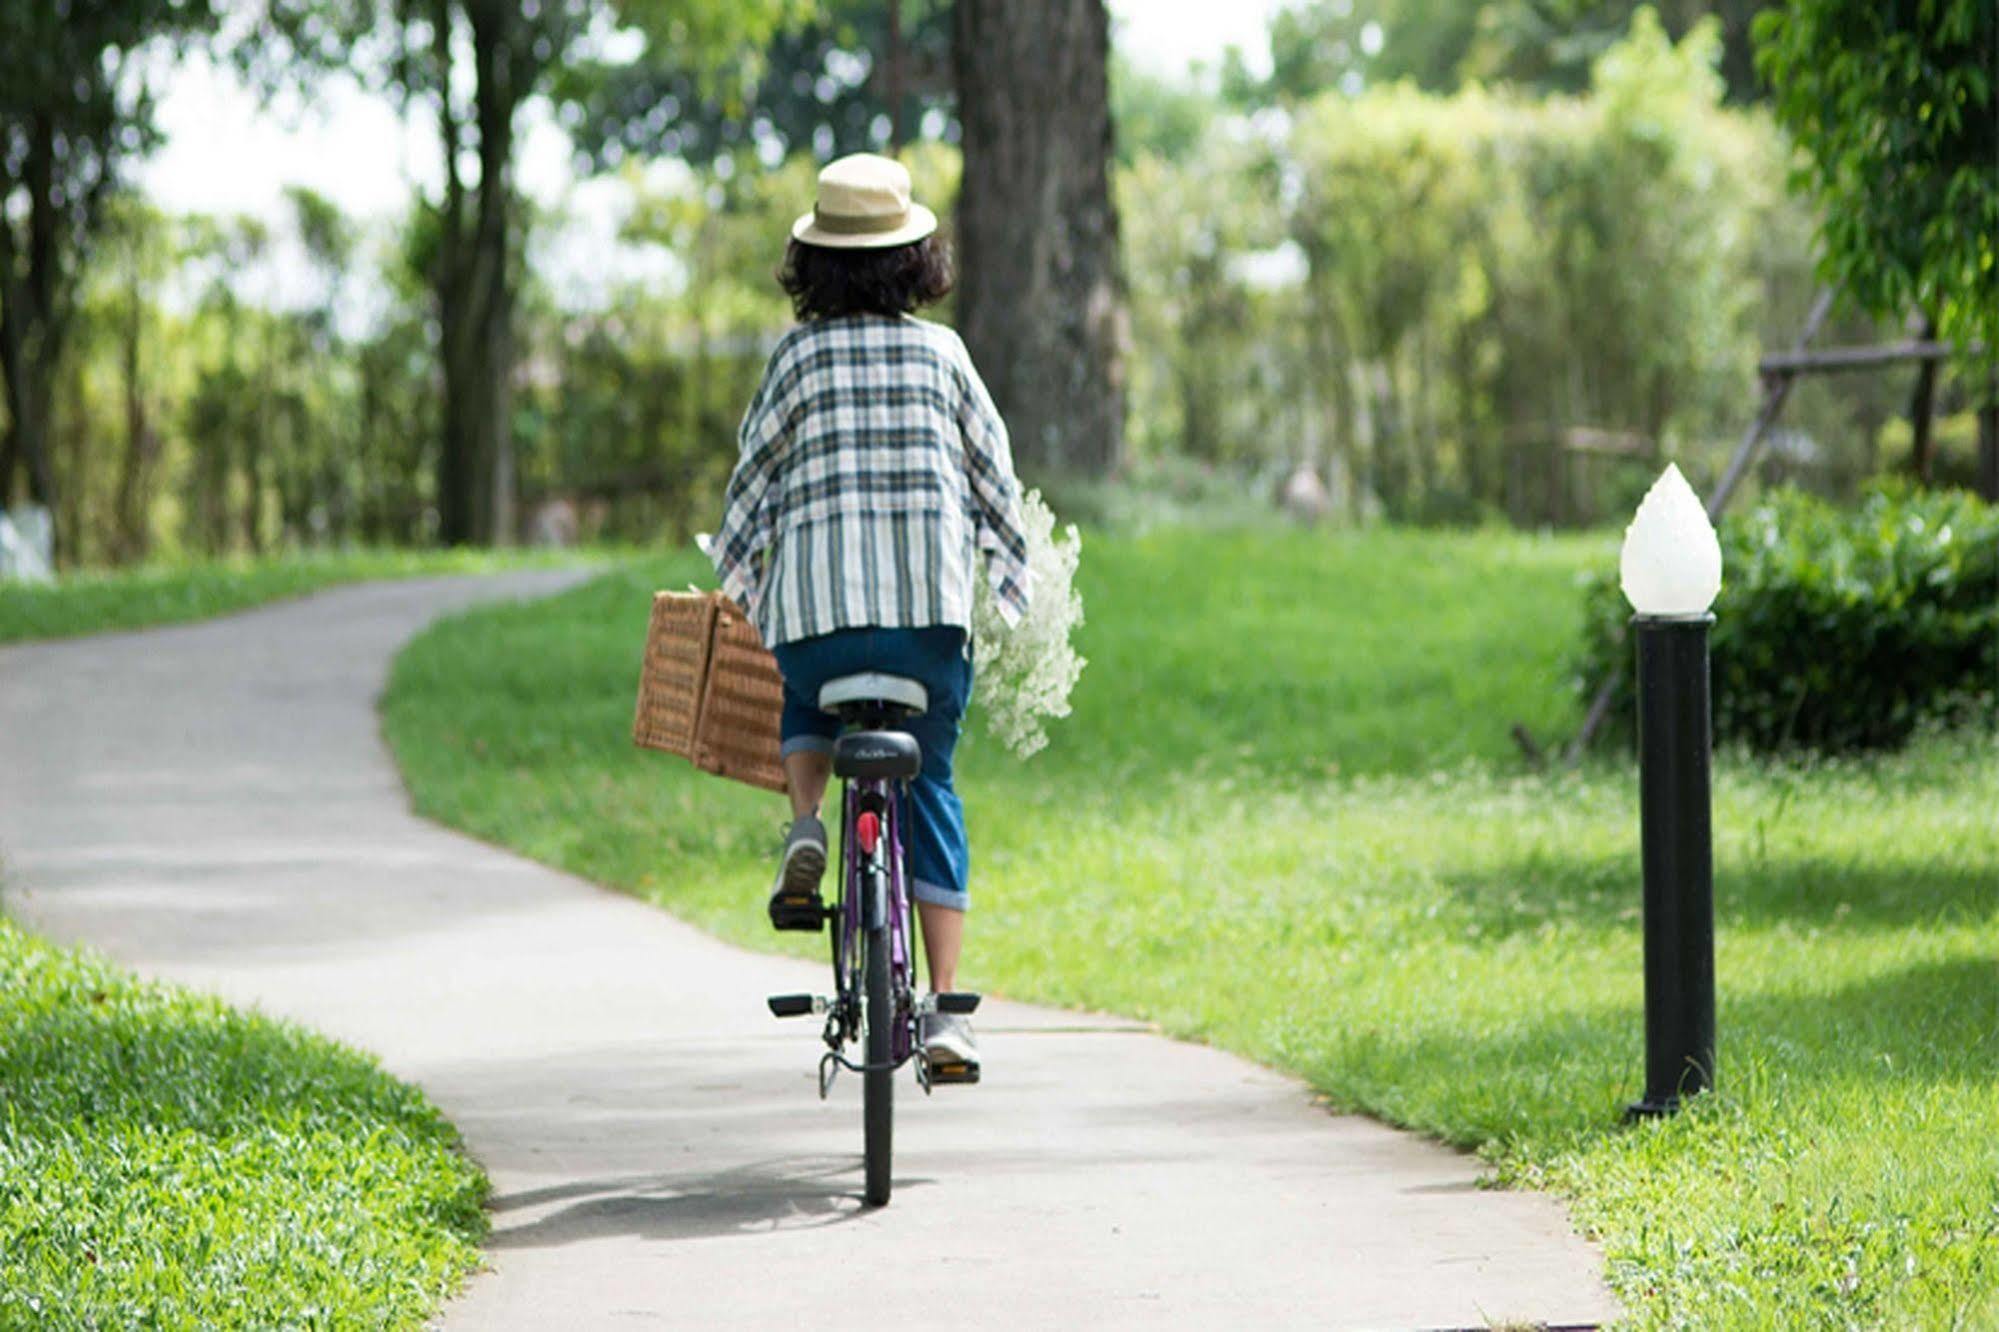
212 804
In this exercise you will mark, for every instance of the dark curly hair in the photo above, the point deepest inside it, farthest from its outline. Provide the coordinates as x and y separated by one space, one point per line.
824 282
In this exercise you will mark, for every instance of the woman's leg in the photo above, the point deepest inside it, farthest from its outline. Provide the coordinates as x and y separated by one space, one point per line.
939 853
806 750
806 733
943 940
806 772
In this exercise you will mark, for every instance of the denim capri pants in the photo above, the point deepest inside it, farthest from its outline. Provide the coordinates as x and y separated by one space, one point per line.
939 858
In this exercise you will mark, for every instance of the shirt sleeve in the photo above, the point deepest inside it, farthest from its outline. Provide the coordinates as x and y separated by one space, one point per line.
995 496
744 537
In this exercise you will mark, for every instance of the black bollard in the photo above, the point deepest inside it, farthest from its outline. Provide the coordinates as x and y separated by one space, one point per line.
1674 748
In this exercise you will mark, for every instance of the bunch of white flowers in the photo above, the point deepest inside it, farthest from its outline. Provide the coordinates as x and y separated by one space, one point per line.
1024 672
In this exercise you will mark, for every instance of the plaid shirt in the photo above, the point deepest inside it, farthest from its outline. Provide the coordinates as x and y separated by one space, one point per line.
874 469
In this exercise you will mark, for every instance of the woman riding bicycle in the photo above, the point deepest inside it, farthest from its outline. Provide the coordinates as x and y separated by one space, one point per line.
874 471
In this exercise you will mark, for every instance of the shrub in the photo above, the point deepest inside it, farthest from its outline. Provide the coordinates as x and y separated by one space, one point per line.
1837 629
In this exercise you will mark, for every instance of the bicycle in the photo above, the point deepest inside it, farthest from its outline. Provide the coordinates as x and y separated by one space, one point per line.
875 1000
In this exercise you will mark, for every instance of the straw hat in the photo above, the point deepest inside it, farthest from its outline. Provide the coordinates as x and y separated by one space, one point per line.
864 204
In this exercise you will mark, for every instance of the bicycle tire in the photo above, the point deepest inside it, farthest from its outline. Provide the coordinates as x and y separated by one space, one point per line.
878 1082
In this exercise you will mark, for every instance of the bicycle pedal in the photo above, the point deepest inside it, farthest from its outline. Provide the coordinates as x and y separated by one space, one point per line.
947 1073
793 1005
807 914
957 1001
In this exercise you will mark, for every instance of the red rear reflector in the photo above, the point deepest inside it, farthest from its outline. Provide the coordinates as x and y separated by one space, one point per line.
867 829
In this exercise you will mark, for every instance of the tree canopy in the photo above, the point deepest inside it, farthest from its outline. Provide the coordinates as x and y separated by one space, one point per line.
1441 45
1894 106
828 83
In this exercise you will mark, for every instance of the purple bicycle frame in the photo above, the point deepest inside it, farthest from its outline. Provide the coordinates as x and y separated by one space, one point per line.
902 970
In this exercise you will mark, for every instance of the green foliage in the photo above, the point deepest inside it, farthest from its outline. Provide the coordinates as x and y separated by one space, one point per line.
1896 108
168 1162
1442 45
1427 939
1167 490
1487 273
817 87
1189 230
1835 629
1157 117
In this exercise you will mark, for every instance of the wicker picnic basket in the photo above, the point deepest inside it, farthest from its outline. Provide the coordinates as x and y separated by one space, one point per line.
709 690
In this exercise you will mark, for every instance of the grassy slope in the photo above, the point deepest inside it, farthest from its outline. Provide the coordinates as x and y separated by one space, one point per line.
167 1162
1282 820
132 599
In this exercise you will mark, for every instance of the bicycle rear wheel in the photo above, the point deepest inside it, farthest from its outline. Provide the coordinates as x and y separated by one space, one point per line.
878 1083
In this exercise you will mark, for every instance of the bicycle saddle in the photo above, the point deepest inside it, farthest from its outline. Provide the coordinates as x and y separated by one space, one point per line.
874 687
880 755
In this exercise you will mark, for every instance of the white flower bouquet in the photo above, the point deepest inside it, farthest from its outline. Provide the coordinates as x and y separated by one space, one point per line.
1024 672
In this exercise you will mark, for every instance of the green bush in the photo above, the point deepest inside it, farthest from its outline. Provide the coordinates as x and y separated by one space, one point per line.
1838 629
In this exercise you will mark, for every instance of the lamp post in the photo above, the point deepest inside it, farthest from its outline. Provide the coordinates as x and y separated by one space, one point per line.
1671 571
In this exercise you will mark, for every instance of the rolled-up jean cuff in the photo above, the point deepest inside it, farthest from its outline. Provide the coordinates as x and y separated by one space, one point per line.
798 744
925 891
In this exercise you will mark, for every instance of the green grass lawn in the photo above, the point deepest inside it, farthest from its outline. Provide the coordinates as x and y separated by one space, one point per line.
1287 819
168 1162
168 594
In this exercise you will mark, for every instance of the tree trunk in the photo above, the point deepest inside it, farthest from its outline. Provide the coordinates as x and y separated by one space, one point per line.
1988 447
1922 409
895 76
30 321
30 377
1422 414
141 444
475 301
1040 300
27 418
258 450
69 552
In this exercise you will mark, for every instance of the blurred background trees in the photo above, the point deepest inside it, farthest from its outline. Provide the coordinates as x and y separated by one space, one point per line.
76 104
1456 261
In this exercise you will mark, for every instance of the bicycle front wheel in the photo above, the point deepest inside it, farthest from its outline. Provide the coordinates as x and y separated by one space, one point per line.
878 1083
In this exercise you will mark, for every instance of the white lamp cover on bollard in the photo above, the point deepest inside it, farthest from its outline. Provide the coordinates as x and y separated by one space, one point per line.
1671 564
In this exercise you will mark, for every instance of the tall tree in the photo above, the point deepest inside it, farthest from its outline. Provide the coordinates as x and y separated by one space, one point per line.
1897 109
474 64
1040 299
75 105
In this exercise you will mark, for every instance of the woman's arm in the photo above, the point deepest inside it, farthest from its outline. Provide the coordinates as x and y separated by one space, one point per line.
995 495
738 547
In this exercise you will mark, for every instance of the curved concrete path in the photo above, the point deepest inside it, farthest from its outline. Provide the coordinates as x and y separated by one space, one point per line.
212 804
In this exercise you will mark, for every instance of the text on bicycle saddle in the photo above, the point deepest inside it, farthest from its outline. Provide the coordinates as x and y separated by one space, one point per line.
882 755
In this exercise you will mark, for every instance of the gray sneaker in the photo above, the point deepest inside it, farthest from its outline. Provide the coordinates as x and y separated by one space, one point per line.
948 1047
794 899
